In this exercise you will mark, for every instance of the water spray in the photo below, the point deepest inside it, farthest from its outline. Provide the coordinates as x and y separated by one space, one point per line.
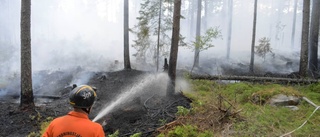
130 93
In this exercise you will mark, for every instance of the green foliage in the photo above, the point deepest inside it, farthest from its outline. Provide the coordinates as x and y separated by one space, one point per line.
162 121
264 48
147 30
203 85
275 121
136 135
115 134
240 92
36 117
261 120
43 126
182 111
186 131
312 91
314 88
33 134
246 92
205 42
269 92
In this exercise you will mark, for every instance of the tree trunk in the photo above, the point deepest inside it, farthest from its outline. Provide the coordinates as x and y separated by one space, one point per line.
197 50
193 7
253 36
26 99
229 28
304 39
174 47
205 18
313 39
158 42
126 36
294 23
256 79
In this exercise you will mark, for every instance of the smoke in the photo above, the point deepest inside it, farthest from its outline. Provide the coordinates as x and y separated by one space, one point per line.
182 85
81 78
69 34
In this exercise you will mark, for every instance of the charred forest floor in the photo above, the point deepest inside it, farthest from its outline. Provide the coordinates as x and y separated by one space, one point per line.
150 112
143 113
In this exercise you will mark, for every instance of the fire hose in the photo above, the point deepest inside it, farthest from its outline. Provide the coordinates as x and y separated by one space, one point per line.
309 101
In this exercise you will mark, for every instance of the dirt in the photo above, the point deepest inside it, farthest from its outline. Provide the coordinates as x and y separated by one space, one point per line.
144 111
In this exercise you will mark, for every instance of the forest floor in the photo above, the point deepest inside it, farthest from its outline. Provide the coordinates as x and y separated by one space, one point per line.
143 111
141 104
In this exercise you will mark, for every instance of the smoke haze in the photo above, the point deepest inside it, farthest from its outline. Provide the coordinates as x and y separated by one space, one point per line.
88 34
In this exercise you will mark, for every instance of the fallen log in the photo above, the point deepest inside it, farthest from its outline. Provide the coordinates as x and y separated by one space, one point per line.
255 79
16 96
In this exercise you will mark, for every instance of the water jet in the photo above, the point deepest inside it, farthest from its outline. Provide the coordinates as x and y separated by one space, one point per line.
138 88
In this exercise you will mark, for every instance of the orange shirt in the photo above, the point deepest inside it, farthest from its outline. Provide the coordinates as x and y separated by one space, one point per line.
75 124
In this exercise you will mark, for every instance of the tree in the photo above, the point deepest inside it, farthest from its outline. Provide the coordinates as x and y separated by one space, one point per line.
174 47
159 27
294 22
313 39
253 36
147 30
304 39
197 51
229 28
205 17
264 48
205 42
26 99
126 36
192 7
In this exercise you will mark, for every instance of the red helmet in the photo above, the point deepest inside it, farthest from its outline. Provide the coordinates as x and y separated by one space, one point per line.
82 96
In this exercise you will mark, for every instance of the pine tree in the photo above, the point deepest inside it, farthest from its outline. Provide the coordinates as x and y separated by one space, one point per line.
26 99
147 30
304 39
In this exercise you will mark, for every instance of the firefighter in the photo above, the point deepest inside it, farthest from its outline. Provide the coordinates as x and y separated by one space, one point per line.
77 123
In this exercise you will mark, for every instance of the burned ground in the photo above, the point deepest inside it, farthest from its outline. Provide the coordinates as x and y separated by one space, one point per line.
144 111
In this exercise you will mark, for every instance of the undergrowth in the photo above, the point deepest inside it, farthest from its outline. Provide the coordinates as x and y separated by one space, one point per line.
220 109
43 126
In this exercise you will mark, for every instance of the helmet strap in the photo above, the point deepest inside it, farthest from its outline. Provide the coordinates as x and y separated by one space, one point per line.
87 110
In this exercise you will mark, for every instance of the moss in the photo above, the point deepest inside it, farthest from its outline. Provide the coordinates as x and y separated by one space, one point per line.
257 120
186 131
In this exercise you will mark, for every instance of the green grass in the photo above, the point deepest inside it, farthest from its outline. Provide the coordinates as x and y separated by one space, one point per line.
43 126
186 131
255 119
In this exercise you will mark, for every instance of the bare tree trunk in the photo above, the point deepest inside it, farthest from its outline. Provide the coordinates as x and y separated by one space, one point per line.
189 20
197 50
253 36
126 36
174 47
158 42
229 28
294 23
255 79
193 7
313 39
304 39
205 18
26 99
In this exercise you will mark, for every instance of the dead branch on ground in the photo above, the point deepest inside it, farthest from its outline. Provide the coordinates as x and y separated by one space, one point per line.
254 79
